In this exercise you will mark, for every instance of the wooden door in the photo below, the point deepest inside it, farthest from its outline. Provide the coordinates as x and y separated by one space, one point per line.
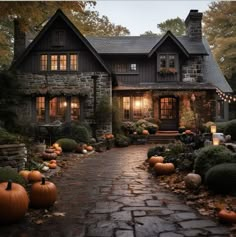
168 111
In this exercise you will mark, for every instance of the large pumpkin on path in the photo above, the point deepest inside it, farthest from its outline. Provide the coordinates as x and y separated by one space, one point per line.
155 159
43 194
164 168
14 202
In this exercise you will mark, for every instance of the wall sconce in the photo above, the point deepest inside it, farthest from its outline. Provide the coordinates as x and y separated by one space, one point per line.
137 104
193 97
64 104
216 141
213 128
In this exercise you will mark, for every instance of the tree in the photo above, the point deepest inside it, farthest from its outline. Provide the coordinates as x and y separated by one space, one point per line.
149 33
220 30
32 16
176 26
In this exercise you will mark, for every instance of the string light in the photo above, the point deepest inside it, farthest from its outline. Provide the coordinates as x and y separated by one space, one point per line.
226 97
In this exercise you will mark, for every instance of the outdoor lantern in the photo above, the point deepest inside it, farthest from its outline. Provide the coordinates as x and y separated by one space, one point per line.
213 128
216 141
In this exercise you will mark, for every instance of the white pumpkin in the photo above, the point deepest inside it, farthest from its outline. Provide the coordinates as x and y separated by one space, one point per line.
192 181
84 151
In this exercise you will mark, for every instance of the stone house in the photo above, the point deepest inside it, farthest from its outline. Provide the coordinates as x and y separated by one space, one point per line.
170 80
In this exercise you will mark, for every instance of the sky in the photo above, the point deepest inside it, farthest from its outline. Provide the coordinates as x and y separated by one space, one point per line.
141 16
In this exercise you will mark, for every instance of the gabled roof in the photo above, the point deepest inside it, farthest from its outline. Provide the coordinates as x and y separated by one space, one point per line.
60 14
141 44
163 39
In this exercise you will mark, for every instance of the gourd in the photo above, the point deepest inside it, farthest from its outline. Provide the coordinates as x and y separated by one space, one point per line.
43 194
155 159
34 176
52 165
227 216
192 181
89 148
164 168
145 132
49 155
14 202
24 174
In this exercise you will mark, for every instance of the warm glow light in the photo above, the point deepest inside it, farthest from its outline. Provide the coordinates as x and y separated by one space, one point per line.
137 104
65 104
213 128
216 141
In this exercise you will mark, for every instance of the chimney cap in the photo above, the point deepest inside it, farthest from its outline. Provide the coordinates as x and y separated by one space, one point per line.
193 15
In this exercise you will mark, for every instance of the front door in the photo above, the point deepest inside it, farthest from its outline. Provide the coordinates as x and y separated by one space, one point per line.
168 113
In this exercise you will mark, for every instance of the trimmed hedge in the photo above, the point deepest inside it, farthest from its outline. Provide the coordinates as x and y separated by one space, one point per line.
67 144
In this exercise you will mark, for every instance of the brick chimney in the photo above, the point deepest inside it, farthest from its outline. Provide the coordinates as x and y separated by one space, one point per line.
19 39
193 25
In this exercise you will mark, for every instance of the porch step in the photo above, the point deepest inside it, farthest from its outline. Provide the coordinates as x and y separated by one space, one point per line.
162 137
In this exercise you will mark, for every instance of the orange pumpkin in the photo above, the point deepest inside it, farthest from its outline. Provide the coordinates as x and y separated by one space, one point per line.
155 159
227 216
164 168
89 148
57 152
188 132
52 165
52 161
56 146
24 174
14 202
145 132
34 176
49 156
43 194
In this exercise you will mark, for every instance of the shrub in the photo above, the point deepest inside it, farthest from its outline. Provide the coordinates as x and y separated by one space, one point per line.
210 156
121 140
67 144
155 151
230 129
128 127
207 126
221 126
7 173
8 138
222 178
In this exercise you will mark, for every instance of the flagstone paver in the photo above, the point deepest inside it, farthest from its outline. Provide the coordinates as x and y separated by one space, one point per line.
109 195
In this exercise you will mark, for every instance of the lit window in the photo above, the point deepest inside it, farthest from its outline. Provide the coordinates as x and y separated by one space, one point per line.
133 67
75 108
40 108
126 107
137 107
43 62
73 62
53 62
57 108
63 61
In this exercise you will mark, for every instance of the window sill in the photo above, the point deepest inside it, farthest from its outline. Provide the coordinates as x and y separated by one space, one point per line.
126 73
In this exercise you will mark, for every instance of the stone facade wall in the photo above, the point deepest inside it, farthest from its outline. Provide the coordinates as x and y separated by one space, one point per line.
13 155
79 84
192 70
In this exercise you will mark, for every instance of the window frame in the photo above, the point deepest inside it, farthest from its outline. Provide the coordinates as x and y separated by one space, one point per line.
120 68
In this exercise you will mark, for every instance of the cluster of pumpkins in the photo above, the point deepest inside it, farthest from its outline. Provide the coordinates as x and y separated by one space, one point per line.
52 152
84 148
15 201
161 168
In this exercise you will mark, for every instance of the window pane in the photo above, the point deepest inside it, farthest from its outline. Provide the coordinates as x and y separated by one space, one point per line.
73 62
53 62
162 61
172 61
126 107
40 108
137 107
57 108
75 108
220 109
43 62
133 67
63 62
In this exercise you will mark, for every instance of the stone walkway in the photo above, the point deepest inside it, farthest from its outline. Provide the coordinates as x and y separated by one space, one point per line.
108 195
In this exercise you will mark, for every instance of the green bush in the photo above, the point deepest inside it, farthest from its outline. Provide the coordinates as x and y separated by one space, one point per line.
207 126
121 140
221 126
155 151
7 173
8 138
222 178
210 156
67 144
230 129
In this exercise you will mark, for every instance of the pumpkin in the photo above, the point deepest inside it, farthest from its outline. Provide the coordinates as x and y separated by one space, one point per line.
52 165
145 132
55 145
49 150
24 174
164 168
14 202
84 151
227 216
52 161
57 152
49 156
89 148
188 132
155 159
109 136
34 176
43 194
58 149
192 181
